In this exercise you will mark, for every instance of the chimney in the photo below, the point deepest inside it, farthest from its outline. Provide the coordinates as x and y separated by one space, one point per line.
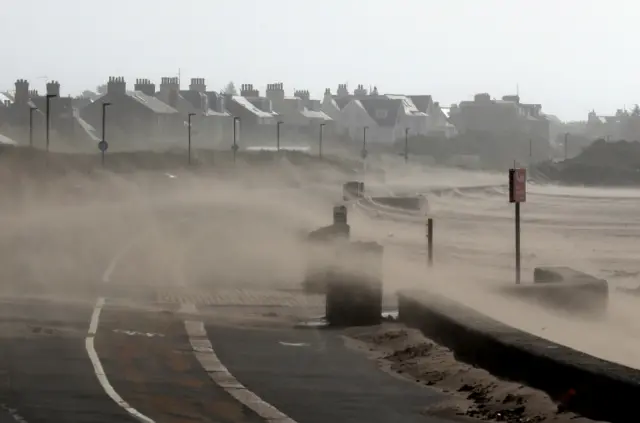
198 84
275 92
514 98
22 91
247 90
53 88
302 94
375 91
145 86
342 90
116 86
169 87
33 94
361 91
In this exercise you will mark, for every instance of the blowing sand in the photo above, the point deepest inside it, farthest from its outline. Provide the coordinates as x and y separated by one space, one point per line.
245 226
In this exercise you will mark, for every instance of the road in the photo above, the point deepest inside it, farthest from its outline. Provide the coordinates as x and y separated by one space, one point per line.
121 342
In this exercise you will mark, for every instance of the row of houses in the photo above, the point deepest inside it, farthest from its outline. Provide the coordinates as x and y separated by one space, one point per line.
145 115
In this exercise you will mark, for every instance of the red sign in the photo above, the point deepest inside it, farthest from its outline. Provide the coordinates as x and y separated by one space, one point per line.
517 185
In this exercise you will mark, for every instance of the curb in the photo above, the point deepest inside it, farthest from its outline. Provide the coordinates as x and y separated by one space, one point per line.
595 388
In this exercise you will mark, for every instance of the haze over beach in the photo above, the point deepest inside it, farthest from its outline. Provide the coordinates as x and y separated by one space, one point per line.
166 168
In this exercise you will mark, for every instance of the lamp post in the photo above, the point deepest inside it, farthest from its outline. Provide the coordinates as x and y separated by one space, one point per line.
364 142
103 144
406 145
31 110
320 145
48 118
278 135
235 140
189 137
566 142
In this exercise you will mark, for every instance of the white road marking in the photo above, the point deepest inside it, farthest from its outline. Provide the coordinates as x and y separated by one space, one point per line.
136 333
203 350
99 370
91 350
13 413
294 344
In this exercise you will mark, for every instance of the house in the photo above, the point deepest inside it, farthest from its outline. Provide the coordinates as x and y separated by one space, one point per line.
67 130
212 124
381 116
135 118
509 115
255 113
301 116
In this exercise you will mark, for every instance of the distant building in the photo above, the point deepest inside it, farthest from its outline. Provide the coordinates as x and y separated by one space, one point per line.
256 115
508 115
68 131
135 118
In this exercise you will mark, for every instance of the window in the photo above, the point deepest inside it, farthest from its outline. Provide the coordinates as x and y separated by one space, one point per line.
381 113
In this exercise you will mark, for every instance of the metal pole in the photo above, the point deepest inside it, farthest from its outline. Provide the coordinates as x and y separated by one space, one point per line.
517 243
406 145
430 241
235 141
104 130
48 118
278 135
566 140
189 137
364 141
320 145
31 109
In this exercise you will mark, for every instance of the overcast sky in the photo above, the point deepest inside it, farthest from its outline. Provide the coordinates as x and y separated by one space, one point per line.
569 55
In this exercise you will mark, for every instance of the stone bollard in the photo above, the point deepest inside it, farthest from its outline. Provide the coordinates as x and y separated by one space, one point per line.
322 245
354 285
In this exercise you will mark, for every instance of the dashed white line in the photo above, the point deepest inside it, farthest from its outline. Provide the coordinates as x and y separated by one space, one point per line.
204 353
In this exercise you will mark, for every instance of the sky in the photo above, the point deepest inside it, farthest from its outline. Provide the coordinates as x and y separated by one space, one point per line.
571 56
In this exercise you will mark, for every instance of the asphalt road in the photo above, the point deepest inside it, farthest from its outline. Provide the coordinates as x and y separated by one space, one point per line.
46 374
311 376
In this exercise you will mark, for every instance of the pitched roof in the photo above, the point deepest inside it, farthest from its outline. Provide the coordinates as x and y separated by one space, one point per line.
382 109
341 102
242 101
151 102
4 140
409 106
314 114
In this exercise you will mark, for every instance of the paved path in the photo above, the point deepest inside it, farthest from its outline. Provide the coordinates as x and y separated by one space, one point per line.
45 375
313 378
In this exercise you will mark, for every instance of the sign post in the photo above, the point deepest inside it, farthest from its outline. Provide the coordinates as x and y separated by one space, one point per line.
517 195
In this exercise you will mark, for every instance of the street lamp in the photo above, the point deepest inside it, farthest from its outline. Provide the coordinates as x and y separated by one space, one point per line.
406 145
235 140
31 110
278 135
49 97
320 146
364 142
566 141
189 137
103 145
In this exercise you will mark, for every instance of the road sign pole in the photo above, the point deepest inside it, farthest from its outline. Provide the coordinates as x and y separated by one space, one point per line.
517 195
517 242
430 242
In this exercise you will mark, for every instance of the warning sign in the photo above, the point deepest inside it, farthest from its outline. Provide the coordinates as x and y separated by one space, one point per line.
517 185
